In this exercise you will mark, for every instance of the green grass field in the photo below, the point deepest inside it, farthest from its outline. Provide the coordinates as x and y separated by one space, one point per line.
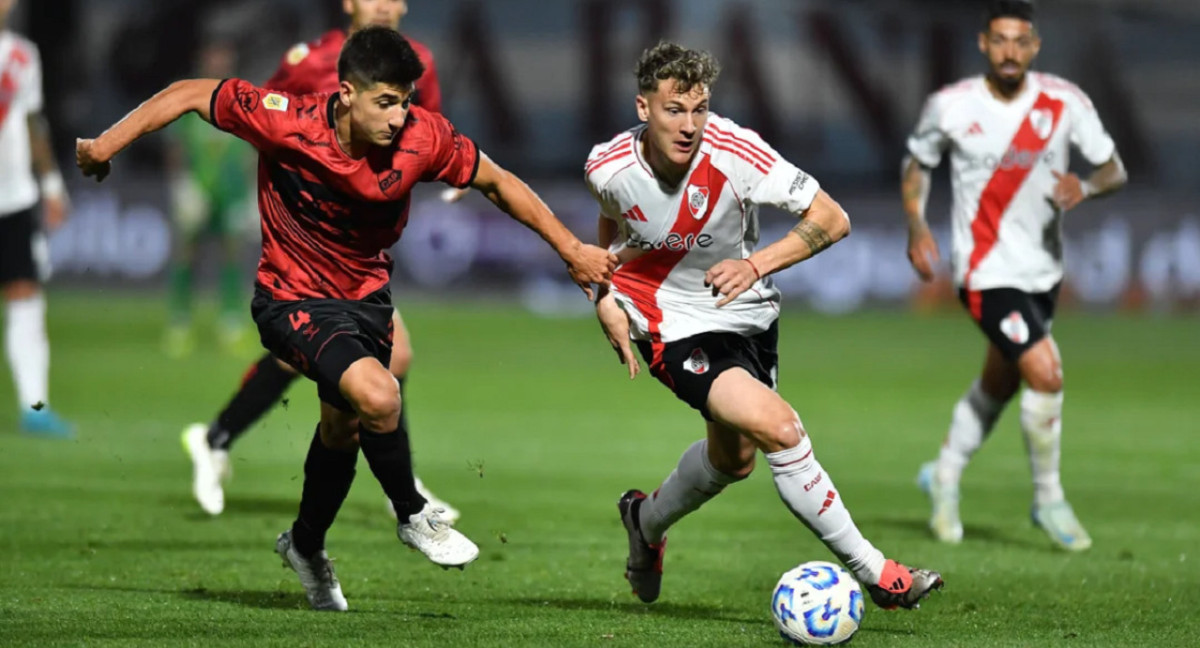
530 427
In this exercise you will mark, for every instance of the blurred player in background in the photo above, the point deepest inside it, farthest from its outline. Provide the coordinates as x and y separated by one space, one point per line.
679 201
306 68
27 170
1009 134
211 179
335 176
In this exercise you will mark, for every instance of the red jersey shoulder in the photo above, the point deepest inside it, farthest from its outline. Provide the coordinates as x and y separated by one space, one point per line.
1053 83
423 52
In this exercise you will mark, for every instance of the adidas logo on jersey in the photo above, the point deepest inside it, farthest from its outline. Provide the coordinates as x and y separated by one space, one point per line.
697 363
975 129
634 214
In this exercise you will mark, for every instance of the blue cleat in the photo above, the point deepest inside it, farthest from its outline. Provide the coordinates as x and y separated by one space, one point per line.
46 424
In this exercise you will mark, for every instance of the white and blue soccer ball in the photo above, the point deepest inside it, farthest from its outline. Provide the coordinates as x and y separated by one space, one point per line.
817 603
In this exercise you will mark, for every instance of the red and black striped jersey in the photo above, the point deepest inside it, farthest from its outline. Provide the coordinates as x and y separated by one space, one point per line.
329 219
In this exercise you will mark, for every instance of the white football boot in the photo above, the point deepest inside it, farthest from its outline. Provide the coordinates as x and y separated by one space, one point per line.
1058 520
944 521
450 514
429 532
207 468
316 575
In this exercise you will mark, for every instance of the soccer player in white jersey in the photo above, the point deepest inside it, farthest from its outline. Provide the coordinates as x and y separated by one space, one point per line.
678 200
24 257
1009 133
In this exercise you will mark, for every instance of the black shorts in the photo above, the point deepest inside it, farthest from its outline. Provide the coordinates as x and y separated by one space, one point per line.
689 366
321 338
1012 319
23 252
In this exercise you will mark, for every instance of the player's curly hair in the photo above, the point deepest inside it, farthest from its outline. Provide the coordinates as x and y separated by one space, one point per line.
667 60
379 55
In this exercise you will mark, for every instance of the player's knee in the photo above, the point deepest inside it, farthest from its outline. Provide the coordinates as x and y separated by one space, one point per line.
378 404
779 430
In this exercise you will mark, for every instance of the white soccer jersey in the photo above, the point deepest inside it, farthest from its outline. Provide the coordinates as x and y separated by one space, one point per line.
20 95
1007 231
668 237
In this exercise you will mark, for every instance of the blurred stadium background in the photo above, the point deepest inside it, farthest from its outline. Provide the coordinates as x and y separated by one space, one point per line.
520 416
835 86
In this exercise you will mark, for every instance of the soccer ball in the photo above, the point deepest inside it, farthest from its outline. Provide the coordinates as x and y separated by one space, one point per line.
817 603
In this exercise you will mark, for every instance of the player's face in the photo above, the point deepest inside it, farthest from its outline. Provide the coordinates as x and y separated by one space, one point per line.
1010 45
378 112
364 13
675 120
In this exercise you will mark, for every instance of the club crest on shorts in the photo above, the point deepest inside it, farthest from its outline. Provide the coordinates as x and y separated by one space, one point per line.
697 363
1042 121
1013 327
697 200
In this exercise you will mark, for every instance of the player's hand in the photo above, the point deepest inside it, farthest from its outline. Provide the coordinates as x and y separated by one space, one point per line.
588 264
54 211
1068 191
615 322
730 278
451 195
88 162
922 250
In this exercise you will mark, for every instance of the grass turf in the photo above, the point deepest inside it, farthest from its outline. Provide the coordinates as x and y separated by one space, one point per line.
531 429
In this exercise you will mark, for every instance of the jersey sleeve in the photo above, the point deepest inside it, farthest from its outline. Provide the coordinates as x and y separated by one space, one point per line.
928 140
762 175
454 158
258 116
604 199
1088 134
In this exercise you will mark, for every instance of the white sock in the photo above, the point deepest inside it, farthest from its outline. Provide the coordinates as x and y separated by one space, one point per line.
808 491
28 350
974 417
693 482
1041 420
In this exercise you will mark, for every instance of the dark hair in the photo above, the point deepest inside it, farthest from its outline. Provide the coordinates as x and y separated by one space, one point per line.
1019 9
687 67
378 55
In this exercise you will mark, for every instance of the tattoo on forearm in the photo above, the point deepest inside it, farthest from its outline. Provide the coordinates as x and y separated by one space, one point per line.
814 235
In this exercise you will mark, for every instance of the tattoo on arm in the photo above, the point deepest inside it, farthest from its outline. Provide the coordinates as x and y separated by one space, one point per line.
814 235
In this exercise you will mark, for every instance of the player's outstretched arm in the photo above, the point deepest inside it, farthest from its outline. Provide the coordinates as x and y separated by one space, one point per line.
94 156
821 225
614 321
915 180
1069 191
587 264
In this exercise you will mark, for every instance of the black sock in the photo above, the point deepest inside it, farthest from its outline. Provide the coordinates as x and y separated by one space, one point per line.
328 474
403 406
261 387
389 457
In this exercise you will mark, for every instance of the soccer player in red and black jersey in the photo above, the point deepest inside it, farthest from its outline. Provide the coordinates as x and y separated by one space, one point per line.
304 69
335 174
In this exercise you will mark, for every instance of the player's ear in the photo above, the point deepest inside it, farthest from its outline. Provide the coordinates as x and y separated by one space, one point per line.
983 38
643 107
346 92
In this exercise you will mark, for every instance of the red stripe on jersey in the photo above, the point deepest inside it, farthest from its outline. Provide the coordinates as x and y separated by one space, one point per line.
741 149
738 152
642 277
764 156
8 82
612 153
1002 187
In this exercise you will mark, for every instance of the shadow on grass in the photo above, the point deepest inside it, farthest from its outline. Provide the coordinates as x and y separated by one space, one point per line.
971 533
264 600
675 610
